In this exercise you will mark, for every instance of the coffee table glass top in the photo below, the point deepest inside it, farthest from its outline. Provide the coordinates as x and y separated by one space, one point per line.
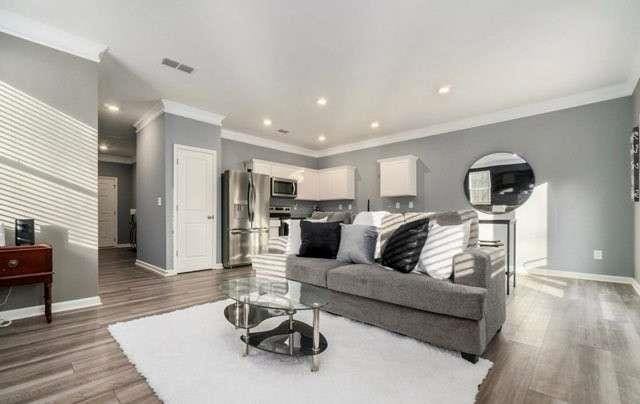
283 294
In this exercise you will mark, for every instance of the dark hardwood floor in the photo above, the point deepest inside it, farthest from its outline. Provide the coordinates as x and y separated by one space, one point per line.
564 341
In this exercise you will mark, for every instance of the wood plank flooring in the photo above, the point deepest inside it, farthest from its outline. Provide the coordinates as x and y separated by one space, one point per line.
565 341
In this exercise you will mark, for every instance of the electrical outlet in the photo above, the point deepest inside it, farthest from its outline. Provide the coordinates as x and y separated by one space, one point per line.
349 207
410 204
397 205
598 254
159 201
340 207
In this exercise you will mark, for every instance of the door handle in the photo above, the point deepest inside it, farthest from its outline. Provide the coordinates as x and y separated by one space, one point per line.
210 217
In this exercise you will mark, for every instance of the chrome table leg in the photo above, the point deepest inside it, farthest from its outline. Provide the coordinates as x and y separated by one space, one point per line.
315 360
291 333
246 325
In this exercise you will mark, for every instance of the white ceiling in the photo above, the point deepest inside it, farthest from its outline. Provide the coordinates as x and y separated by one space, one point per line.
372 60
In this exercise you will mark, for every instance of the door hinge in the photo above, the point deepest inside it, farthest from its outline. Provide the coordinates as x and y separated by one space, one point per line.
176 253
177 161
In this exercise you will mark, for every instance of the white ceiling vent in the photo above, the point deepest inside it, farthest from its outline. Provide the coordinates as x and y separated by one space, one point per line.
177 65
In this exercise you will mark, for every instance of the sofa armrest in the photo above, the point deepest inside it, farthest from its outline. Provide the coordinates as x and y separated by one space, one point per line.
481 267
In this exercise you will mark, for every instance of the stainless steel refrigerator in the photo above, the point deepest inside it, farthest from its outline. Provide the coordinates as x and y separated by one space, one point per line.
245 216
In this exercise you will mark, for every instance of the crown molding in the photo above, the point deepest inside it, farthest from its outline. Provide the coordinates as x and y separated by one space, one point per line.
270 144
187 111
108 158
557 104
176 108
46 35
148 116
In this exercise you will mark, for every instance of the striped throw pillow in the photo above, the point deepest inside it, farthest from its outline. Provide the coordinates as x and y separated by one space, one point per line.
443 243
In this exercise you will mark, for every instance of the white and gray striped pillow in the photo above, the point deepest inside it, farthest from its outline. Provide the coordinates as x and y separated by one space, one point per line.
443 243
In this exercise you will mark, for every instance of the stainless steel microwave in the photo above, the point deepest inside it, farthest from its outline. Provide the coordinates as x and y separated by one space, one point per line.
283 187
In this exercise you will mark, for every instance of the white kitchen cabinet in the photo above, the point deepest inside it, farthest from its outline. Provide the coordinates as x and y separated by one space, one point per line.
337 183
283 171
398 176
307 184
261 167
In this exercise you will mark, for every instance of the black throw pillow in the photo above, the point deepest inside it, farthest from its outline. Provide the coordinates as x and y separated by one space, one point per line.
319 240
403 248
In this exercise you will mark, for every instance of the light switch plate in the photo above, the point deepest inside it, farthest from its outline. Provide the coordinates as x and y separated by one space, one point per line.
159 201
598 254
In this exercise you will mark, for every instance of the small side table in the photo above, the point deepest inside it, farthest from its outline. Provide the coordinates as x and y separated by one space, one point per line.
507 223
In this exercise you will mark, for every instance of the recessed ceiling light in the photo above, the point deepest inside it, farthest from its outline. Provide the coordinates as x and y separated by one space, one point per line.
112 107
375 125
321 101
444 90
266 122
322 138
103 147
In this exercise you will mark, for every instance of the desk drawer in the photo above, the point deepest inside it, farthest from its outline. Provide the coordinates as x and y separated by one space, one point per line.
24 262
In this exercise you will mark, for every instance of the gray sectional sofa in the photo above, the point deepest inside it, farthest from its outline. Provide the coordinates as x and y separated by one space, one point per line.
462 314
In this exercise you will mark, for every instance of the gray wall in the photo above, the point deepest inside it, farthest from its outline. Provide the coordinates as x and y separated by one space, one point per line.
150 185
69 85
188 132
126 196
235 153
636 122
581 153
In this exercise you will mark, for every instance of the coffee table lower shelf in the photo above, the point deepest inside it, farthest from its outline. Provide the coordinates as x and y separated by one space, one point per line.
291 337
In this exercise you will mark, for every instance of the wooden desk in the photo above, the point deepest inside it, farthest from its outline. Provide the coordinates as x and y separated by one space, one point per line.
26 265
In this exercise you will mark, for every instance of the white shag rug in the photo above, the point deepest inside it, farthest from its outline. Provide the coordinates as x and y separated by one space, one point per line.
194 356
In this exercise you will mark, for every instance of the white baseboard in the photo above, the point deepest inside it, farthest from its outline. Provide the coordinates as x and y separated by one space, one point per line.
124 245
217 266
155 269
57 307
636 285
586 276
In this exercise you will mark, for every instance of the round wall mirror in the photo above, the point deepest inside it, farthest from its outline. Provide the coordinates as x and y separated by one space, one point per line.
499 182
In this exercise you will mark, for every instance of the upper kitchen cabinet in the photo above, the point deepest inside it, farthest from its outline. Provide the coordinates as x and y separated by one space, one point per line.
261 167
308 187
398 176
337 183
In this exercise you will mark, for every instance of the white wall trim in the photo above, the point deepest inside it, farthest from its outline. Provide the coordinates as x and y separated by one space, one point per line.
588 97
636 286
108 158
148 117
43 34
268 143
176 108
187 111
58 307
156 269
582 275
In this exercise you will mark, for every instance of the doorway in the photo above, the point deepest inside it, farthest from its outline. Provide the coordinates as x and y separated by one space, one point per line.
107 211
194 236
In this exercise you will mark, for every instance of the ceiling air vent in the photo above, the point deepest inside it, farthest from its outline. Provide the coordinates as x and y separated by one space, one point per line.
282 132
170 63
185 68
177 65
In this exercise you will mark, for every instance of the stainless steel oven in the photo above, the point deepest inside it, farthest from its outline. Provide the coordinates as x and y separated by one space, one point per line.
283 187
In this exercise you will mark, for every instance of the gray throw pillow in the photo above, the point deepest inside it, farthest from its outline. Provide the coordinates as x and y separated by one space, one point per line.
357 243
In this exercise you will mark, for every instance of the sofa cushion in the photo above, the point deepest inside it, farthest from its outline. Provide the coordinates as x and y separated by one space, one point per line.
310 270
413 290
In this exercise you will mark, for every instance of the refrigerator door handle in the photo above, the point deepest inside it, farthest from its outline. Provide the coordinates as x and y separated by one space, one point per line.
249 201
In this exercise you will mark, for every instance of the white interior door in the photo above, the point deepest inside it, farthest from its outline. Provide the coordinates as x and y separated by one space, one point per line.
195 194
108 211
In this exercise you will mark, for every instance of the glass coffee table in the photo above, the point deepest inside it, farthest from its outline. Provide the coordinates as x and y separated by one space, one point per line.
258 299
